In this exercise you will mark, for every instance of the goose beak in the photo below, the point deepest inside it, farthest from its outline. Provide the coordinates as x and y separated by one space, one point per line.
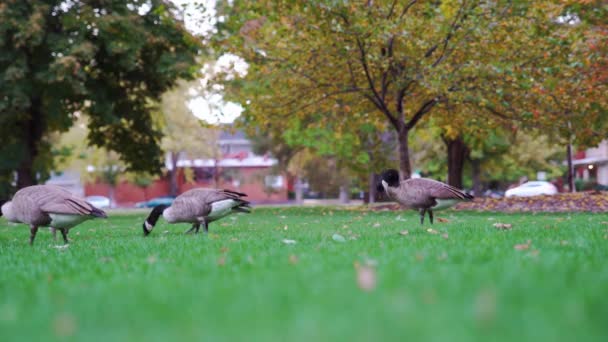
146 228
384 185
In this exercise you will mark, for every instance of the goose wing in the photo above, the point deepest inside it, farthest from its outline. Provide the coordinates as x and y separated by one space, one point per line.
53 199
437 189
199 201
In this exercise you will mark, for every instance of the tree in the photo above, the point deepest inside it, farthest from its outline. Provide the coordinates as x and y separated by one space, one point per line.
104 59
403 59
184 133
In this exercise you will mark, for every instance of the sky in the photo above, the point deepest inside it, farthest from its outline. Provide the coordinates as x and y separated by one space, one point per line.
209 105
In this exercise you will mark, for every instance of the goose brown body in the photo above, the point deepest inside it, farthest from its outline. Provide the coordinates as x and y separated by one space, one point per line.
422 194
49 205
199 206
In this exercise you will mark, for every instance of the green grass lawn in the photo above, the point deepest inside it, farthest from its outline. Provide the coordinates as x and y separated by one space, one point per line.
464 281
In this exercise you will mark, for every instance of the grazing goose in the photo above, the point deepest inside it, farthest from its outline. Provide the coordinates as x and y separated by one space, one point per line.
422 194
198 206
49 205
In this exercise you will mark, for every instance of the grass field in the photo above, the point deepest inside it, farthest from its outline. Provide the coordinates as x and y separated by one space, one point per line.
546 279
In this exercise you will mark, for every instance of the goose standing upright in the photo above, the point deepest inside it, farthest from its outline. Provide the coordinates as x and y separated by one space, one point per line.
422 194
198 206
49 205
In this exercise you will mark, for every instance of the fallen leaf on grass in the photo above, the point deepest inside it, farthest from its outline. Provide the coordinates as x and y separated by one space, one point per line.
293 259
151 259
445 236
404 232
221 261
432 231
523 246
289 242
366 277
61 246
442 220
376 225
338 238
503 226
64 325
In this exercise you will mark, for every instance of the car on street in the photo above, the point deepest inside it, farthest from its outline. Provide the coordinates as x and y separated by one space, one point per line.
166 200
532 188
100 202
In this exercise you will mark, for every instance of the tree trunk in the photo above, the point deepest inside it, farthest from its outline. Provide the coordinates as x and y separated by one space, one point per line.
404 153
571 186
476 171
111 195
344 194
216 174
299 190
372 188
173 186
32 133
457 154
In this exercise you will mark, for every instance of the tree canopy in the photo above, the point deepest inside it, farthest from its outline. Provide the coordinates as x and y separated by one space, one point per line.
107 60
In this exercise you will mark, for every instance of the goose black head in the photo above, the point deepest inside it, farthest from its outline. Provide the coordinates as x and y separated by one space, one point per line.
391 177
149 223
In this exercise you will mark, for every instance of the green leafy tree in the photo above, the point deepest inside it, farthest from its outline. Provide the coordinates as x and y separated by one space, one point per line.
184 133
104 59
403 59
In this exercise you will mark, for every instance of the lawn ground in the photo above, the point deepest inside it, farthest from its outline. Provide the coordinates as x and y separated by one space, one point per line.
546 279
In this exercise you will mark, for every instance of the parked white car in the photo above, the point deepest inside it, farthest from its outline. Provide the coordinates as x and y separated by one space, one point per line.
534 188
99 201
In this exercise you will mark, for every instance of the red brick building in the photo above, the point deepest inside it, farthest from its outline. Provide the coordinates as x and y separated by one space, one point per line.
239 169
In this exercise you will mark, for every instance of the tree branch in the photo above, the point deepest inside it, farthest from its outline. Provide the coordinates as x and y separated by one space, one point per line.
406 8
425 108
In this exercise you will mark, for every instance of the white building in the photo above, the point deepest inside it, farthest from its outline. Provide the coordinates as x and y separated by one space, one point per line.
594 166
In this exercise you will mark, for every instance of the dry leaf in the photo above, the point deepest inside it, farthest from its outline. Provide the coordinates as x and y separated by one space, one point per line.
443 220
523 246
64 325
432 231
221 261
285 228
504 226
151 259
445 236
289 242
376 225
224 249
366 278
293 259
404 232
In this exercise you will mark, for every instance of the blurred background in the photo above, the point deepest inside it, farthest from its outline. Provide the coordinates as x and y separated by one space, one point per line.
132 103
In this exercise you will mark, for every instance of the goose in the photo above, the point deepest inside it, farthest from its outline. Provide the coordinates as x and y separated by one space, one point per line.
49 205
422 194
198 206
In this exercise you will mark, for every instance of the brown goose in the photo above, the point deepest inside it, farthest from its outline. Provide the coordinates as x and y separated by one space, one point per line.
422 194
198 206
49 205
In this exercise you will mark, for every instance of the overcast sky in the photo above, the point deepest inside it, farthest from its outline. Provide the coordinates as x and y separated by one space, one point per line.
210 106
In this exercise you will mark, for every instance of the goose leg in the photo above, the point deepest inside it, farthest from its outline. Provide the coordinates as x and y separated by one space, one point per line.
33 231
206 226
194 228
431 215
422 212
64 233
